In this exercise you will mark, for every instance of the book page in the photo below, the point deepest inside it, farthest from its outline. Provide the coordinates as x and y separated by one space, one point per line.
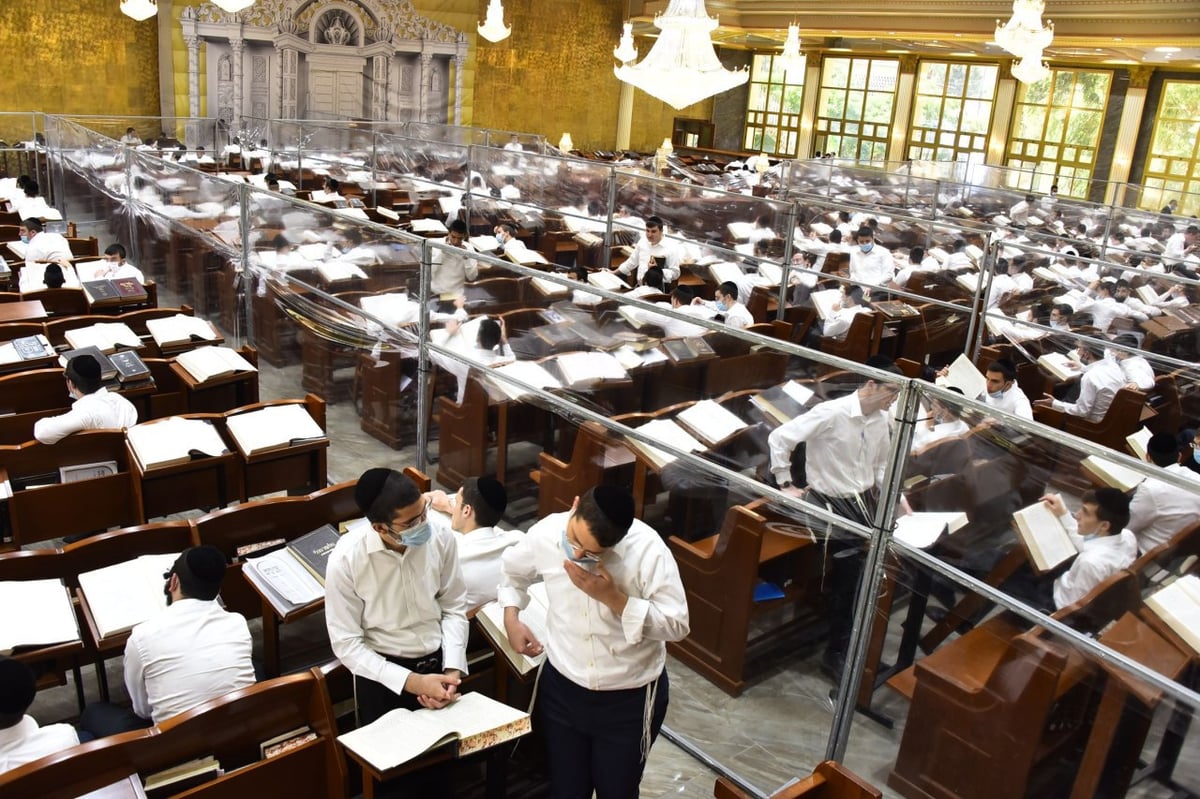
179 327
1138 442
964 376
1044 536
824 301
922 530
491 616
1059 365
166 441
288 577
547 287
275 426
46 615
205 363
798 391
528 372
711 421
126 594
584 367
668 432
1179 606
608 281
401 735
1112 474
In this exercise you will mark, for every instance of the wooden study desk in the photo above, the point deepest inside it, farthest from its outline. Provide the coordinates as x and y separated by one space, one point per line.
219 394
206 482
22 311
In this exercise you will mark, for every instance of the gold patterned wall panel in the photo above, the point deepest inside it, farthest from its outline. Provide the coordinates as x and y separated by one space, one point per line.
81 57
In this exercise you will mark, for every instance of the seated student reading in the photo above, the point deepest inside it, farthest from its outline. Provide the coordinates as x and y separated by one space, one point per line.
94 408
1159 510
474 513
483 341
1099 531
1102 379
837 325
727 306
453 268
115 266
21 739
189 653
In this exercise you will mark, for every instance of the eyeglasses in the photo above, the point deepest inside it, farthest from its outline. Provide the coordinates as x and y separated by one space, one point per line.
397 529
583 553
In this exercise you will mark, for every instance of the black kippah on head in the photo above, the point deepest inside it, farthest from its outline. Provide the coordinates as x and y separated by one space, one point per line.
493 493
616 503
18 686
369 486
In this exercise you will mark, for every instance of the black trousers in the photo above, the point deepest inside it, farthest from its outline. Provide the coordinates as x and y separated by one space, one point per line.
846 556
594 738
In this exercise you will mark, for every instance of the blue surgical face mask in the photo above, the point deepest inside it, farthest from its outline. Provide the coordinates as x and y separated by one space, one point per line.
1196 454
722 307
416 536
24 239
570 552
866 247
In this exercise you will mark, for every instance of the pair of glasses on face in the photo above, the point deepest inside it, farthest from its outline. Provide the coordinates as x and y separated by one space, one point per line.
404 527
580 552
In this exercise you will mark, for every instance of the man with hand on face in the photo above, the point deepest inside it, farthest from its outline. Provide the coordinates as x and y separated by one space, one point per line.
395 602
615 599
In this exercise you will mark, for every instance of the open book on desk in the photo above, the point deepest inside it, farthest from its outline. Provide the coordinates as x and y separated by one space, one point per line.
781 404
1179 606
124 595
168 442
284 581
825 300
428 226
105 336
922 530
609 281
711 422
37 613
668 432
1060 365
206 363
580 368
275 427
491 618
528 372
549 288
475 722
1044 537
333 271
1111 474
180 329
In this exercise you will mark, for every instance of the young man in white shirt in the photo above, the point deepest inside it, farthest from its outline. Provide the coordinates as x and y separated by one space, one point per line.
395 601
838 324
1099 384
187 654
615 599
41 246
21 739
450 269
870 263
94 408
474 513
1159 510
726 304
653 246
1098 530
1003 392
1138 372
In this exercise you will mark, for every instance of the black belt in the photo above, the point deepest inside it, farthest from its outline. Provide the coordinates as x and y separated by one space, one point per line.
423 664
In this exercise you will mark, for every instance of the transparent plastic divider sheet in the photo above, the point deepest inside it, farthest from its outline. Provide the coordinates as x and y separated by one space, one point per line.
502 178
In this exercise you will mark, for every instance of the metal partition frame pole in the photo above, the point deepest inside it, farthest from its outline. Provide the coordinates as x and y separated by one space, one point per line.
424 391
244 277
787 261
872 575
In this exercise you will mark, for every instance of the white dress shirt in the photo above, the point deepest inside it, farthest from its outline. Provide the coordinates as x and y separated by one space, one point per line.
1101 381
1174 249
1105 309
25 742
666 251
1012 401
847 451
874 268
1137 370
838 323
46 247
1099 558
586 642
33 277
672 328
100 410
1159 510
452 270
1019 213
736 316
103 270
924 436
479 554
191 652
380 602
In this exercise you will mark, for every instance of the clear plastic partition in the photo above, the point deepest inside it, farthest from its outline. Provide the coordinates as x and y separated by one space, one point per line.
89 170
422 162
461 134
349 141
502 177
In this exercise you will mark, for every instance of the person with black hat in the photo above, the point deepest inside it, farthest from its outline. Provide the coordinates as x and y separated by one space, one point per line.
21 739
615 599
95 407
1159 510
474 513
191 652
395 602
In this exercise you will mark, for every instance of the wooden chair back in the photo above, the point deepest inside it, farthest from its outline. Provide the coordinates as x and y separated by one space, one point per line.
1122 419
67 562
829 780
84 247
60 302
559 483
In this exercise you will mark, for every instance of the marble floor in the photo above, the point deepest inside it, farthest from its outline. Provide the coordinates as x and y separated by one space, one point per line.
776 730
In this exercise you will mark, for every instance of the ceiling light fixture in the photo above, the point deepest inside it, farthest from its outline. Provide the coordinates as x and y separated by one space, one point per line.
1024 33
625 51
493 28
682 67
791 59
139 9
1031 69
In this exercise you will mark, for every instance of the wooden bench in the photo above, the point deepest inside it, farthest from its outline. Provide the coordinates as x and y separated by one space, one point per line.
829 780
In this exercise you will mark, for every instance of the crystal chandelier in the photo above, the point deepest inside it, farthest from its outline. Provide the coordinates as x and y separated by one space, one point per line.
790 59
682 67
139 9
1031 68
232 6
493 28
1024 33
625 51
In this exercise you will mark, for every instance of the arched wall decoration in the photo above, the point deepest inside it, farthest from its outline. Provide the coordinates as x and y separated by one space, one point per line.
362 59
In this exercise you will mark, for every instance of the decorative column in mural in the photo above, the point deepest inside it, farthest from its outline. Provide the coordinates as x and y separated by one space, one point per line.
236 48
460 59
423 85
193 48
288 60
379 86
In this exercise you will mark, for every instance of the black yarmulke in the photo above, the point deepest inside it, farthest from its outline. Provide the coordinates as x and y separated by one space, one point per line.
18 686
616 503
370 484
85 366
1162 444
493 493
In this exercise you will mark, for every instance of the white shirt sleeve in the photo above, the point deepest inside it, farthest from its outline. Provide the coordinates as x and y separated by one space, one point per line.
135 680
662 614
517 572
53 429
452 597
783 441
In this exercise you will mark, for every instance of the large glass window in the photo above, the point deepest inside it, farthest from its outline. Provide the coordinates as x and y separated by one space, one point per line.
773 107
1056 130
854 115
953 111
1173 168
